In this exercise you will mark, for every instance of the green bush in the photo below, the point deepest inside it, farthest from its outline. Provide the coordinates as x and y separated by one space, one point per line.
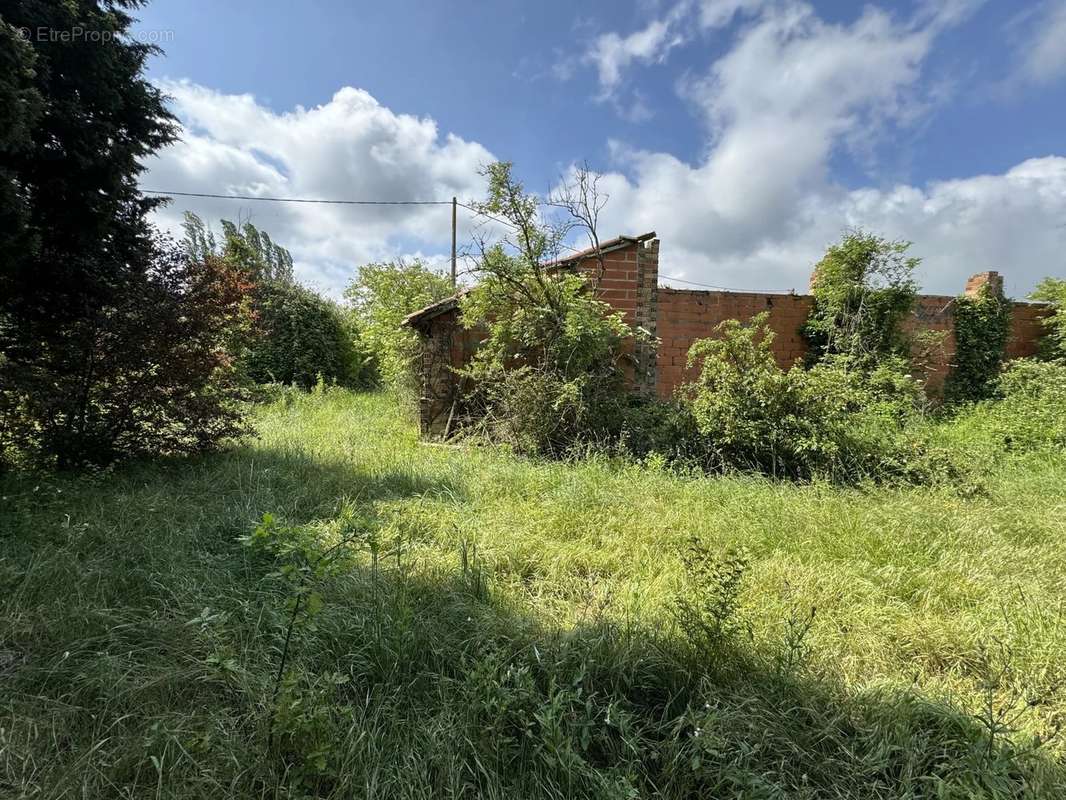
648 427
863 288
381 296
547 377
162 379
1027 413
1053 291
833 421
301 337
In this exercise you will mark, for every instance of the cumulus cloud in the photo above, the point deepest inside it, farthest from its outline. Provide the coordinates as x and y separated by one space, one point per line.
756 210
350 147
1013 222
759 208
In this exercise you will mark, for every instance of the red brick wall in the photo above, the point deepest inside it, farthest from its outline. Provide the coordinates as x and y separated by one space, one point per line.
628 279
686 315
1025 329
933 312
678 317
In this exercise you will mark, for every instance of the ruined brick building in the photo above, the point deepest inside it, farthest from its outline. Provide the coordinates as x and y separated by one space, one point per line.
678 317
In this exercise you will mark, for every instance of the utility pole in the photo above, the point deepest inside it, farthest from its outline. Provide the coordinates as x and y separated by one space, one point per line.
454 205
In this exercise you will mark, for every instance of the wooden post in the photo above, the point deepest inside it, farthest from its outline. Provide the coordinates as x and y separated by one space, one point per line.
454 204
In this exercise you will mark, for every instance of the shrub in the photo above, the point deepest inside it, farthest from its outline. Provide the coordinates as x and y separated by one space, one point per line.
982 325
834 420
547 376
1053 291
649 427
161 376
863 288
381 296
1027 413
1034 401
301 337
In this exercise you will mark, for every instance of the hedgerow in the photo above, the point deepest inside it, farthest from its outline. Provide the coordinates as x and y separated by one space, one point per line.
301 337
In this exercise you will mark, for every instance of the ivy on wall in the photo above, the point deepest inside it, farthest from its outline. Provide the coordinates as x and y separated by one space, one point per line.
982 325
863 289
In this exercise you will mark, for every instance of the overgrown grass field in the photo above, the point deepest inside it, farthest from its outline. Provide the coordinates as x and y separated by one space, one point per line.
495 627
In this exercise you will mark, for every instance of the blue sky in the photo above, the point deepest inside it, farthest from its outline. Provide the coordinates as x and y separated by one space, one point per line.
748 133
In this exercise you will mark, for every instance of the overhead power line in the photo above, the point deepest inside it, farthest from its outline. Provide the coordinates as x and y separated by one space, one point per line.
421 203
305 199
724 288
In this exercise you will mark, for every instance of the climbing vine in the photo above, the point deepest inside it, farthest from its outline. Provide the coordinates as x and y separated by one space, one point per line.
982 325
863 289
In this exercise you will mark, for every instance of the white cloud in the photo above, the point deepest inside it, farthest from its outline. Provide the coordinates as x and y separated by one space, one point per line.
718 13
756 210
350 147
612 54
1042 53
759 208
1014 222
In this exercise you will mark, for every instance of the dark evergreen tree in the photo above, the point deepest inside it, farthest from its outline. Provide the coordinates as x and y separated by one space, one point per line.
83 355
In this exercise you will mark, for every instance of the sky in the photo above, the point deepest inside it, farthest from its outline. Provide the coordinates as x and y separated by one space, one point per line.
749 134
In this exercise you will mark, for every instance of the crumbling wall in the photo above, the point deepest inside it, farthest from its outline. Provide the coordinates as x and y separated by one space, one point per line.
627 278
686 315
446 346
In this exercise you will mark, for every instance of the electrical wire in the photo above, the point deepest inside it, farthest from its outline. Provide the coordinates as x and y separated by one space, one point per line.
725 288
477 211
305 200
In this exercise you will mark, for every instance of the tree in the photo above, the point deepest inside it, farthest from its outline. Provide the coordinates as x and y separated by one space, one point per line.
244 244
20 108
547 376
381 296
75 169
299 336
105 350
863 288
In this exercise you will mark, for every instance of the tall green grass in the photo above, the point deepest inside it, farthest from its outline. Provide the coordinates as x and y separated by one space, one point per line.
505 628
